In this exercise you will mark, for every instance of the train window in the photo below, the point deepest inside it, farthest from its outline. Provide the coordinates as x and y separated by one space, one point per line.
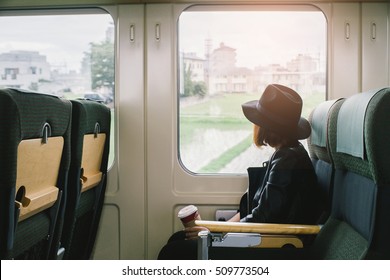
68 55
227 58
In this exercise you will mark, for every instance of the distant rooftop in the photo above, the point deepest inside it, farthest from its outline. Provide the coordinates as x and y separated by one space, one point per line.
22 56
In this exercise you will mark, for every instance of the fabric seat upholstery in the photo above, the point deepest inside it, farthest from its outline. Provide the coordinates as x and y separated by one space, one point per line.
319 151
23 116
84 207
360 183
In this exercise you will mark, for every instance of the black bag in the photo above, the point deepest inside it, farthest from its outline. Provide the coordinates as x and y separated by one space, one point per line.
256 177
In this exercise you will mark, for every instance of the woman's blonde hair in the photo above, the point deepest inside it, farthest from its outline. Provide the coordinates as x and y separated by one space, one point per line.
264 137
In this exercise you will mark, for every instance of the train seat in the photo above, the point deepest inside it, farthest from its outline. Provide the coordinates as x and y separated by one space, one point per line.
378 153
34 163
318 145
360 158
91 122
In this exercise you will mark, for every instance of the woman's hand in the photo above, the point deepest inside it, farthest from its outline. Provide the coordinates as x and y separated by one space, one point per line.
192 232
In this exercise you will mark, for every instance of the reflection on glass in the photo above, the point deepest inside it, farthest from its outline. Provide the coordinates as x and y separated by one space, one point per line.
71 56
227 58
65 55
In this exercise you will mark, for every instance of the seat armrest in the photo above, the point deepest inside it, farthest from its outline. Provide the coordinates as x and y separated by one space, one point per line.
266 235
262 228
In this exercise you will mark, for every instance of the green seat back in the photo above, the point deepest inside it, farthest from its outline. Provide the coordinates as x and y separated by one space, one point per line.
84 207
361 179
23 116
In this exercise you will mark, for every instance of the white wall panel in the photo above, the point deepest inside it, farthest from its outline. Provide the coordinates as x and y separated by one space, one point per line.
345 36
375 49
159 124
127 175
108 240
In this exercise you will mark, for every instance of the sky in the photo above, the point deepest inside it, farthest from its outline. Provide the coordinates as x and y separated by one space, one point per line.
260 38
63 39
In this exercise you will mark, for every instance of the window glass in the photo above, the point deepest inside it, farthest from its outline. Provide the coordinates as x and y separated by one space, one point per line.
227 58
71 56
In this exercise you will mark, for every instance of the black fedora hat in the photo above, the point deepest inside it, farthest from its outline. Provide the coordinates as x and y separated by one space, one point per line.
278 110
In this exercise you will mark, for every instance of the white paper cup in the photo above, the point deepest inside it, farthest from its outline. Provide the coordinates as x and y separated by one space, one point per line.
188 215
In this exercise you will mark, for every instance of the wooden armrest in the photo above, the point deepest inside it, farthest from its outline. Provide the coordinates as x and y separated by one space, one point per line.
272 235
262 228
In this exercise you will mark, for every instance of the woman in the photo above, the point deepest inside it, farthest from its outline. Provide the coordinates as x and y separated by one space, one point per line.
289 191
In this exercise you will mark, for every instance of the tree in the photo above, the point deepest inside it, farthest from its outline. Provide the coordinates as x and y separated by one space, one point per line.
102 65
188 83
193 87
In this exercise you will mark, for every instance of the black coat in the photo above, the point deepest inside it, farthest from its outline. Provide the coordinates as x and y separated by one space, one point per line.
289 191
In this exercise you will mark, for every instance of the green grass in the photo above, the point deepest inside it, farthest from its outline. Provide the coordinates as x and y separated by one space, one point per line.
229 106
225 105
222 112
189 125
310 102
217 164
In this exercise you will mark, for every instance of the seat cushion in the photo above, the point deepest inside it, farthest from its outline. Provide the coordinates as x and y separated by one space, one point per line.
339 241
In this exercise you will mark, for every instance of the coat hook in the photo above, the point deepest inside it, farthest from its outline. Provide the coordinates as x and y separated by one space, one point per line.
157 32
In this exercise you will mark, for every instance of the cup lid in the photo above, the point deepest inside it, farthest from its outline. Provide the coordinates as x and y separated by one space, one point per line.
186 211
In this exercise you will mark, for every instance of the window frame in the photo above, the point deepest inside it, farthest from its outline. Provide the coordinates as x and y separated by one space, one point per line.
239 8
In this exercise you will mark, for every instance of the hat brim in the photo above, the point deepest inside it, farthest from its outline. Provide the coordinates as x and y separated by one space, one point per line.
302 130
